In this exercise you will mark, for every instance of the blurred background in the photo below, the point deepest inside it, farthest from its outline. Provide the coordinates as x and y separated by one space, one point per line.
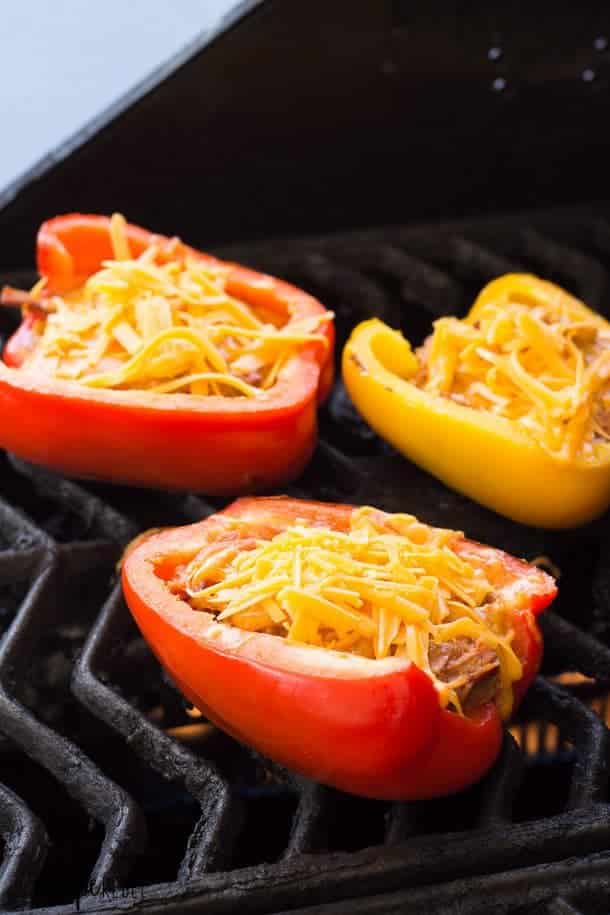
66 61
235 120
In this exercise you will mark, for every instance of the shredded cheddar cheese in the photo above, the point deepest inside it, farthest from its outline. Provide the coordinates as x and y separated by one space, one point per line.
165 327
389 586
543 362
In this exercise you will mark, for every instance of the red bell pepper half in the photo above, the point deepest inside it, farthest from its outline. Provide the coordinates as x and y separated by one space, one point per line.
370 727
214 444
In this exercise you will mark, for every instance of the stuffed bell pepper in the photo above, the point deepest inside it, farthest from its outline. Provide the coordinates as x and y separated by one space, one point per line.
366 650
141 360
510 405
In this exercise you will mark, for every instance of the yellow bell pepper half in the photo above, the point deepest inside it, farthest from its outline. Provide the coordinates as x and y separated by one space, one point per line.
490 458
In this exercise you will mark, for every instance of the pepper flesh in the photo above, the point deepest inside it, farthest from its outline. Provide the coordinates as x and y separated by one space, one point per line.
487 457
370 727
215 444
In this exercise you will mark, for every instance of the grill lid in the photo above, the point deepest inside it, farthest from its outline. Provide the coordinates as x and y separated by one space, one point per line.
308 116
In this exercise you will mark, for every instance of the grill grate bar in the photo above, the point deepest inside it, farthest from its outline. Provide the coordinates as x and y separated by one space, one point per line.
584 274
18 565
311 818
25 849
212 840
420 283
528 890
584 729
105 801
413 868
573 649
401 823
501 786
561 906
431 273
350 289
466 262
97 516
479 260
78 558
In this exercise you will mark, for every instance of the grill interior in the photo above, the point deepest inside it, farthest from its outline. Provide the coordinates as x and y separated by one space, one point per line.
114 792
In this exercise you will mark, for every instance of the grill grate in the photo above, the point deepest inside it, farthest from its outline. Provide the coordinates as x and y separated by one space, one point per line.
114 795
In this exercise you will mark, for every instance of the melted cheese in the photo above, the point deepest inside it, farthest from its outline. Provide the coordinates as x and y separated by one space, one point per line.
390 586
540 362
165 327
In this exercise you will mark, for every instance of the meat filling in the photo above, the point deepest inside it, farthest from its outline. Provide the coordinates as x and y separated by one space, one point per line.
387 586
468 667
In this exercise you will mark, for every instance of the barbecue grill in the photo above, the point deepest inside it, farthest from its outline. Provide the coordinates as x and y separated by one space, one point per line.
115 795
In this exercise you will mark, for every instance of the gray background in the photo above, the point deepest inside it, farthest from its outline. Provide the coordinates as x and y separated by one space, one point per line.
64 61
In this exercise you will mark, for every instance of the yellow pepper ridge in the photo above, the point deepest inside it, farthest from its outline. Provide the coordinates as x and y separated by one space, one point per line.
490 457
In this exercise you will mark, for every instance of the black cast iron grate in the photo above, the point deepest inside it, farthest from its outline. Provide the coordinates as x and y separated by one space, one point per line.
114 795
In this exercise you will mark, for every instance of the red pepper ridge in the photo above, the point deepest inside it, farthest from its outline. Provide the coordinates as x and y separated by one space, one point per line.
130 437
382 735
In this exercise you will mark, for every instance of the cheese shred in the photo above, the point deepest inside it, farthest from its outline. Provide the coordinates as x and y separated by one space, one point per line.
166 325
542 360
387 587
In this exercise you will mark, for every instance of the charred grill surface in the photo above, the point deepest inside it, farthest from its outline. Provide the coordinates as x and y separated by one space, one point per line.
114 794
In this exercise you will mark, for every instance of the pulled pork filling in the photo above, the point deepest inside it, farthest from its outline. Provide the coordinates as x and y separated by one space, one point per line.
545 364
163 327
389 586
